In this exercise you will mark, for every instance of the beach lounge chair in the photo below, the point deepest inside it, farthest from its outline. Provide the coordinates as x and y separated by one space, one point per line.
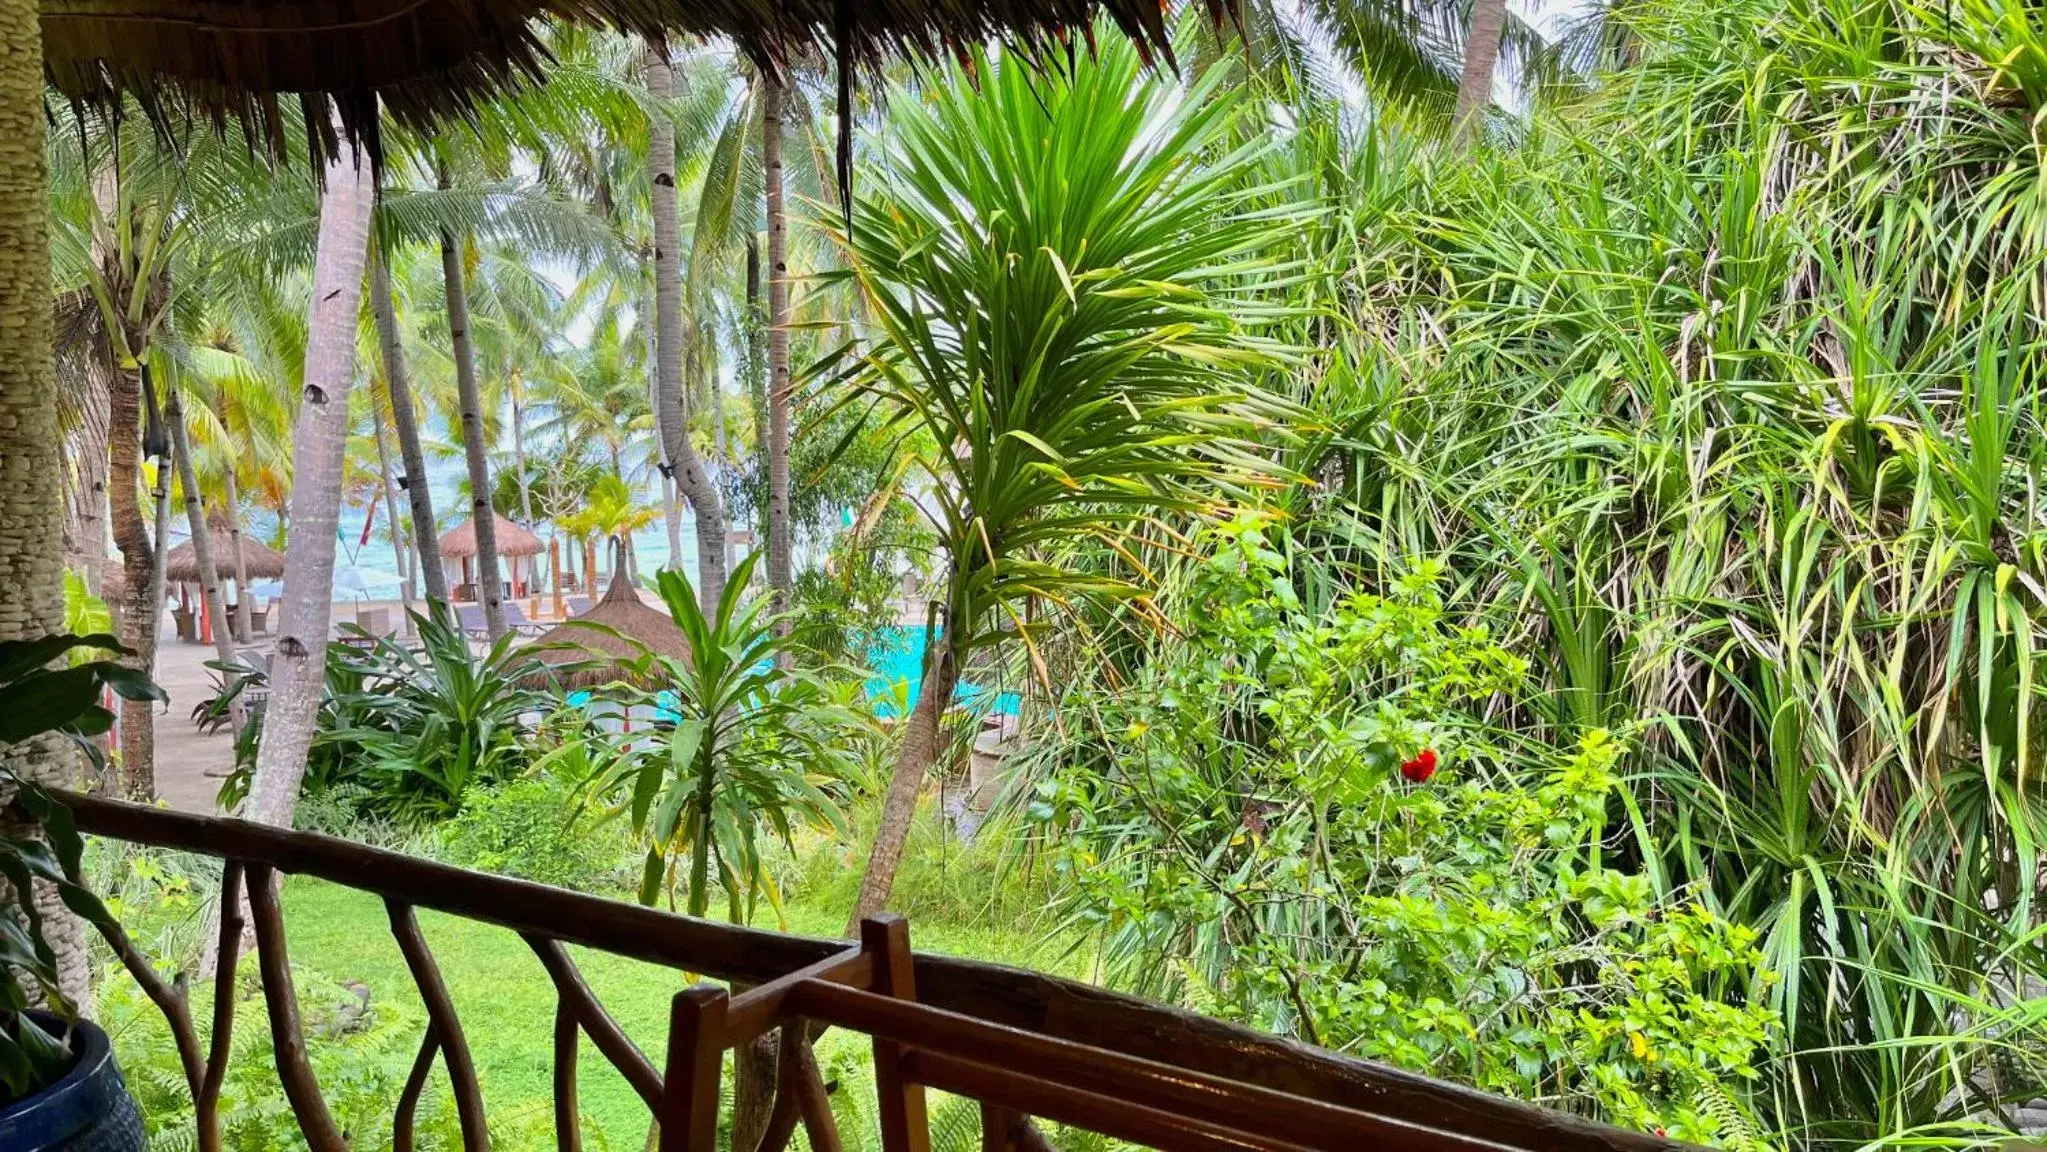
473 622
517 620
578 605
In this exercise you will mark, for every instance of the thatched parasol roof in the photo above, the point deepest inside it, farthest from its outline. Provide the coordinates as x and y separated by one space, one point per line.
621 610
513 540
181 565
429 60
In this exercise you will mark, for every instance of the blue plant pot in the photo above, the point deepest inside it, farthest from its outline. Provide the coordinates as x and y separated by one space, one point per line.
89 1110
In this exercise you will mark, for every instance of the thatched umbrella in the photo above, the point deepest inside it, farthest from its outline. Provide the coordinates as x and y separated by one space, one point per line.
181 564
600 656
459 543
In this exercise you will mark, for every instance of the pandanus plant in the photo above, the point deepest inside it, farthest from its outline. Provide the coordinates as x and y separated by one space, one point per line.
1059 266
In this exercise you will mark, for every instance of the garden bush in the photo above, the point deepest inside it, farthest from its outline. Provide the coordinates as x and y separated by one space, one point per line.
1304 820
535 828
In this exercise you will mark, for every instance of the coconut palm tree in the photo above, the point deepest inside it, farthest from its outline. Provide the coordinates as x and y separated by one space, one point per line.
405 422
1048 259
690 476
297 675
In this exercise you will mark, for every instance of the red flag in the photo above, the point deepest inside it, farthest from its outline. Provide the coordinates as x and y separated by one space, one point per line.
367 520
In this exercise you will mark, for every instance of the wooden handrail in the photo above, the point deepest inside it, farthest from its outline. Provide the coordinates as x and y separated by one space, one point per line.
1403 1105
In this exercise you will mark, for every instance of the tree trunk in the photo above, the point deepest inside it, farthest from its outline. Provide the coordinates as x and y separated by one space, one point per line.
921 744
1481 54
398 549
319 440
85 521
31 460
405 418
780 546
210 600
239 555
138 615
690 477
519 452
489 581
671 509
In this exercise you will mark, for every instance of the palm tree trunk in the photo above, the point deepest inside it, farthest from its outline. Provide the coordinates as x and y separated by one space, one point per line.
210 600
298 673
671 510
31 461
405 418
241 557
519 452
399 553
690 477
138 612
1481 54
780 548
85 521
921 744
489 586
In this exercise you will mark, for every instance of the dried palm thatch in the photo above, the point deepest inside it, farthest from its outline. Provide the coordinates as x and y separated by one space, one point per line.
181 564
595 647
430 60
513 540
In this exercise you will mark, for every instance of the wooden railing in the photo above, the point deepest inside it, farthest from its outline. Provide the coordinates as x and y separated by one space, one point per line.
1024 1045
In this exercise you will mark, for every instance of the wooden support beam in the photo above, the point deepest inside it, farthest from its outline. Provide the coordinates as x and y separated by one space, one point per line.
904 1125
696 1061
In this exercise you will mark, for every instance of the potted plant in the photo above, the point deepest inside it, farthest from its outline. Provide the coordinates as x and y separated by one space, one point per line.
60 1090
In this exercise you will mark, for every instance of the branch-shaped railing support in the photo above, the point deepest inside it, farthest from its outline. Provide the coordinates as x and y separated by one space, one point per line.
203 1074
287 1035
446 1028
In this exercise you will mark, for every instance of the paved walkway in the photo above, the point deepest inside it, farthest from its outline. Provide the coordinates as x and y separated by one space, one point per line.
188 764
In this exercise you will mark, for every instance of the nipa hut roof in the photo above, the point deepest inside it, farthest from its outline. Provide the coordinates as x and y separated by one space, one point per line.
513 540
431 60
181 564
602 654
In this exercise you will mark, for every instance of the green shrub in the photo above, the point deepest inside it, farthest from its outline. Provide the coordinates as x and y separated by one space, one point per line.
535 829
1303 820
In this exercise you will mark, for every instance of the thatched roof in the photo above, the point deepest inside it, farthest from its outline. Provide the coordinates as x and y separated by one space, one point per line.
181 565
427 60
513 540
622 611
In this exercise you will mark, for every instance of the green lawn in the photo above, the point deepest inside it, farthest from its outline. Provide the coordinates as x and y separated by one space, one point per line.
507 1003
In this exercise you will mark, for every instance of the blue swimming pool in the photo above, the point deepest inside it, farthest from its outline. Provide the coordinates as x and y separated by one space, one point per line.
896 657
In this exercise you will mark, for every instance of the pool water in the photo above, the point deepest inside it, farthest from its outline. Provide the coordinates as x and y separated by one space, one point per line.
896 659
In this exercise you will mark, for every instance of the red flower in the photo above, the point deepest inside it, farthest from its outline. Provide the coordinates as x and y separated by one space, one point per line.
1661 1132
1419 769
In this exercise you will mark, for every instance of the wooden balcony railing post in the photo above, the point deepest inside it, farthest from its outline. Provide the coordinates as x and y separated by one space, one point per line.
206 1099
904 1125
1025 1045
447 1028
696 1061
415 1084
287 1035
603 1031
568 1117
